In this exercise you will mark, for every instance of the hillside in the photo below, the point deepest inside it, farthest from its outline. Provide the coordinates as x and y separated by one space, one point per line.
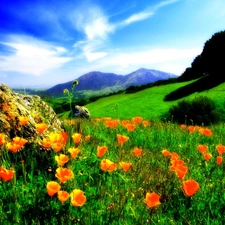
106 83
148 103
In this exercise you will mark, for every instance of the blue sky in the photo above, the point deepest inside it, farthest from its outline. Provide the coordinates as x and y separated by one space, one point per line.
46 42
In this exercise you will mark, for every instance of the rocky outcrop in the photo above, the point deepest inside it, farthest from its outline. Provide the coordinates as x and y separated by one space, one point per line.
13 106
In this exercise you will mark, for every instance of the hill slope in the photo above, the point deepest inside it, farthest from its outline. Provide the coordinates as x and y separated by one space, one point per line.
148 103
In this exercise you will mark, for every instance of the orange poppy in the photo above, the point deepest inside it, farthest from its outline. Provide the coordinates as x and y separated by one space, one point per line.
52 188
125 122
191 129
77 197
2 139
190 187
207 156
152 199
166 153
206 131
202 148
181 171
76 138
175 164
5 174
23 120
74 152
174 156
121 139
145 123
137 119
107 165
41 127
125 166
63 196
219 159
16 144
61 159
64 174
130 127
183 126
64 137
46 142
137 151
111 123
87 138
101 150
220 149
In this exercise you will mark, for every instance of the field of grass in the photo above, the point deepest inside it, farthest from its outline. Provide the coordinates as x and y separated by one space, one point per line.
105 171
148 103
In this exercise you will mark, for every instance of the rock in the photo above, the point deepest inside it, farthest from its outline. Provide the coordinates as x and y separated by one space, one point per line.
81 111
14 105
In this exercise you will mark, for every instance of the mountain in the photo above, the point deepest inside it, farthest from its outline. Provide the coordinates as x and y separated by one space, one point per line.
97 81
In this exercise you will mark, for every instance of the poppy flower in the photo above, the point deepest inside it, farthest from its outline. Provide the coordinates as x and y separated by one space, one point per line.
152 199
64 174
125 166
76 138
101 150
64 137
219 159
52 188
2 139
23 120
206 131
77 197
137 151
190 187
220 149
145 123
61 159
137 119
121 139
183 126
16 144
87 138
181 171
111 123
130 127
41 127
63 196
125 122
207 156
202 148
176 163
191 129
166 153
5 174
46 142
74 152
174 156
107 165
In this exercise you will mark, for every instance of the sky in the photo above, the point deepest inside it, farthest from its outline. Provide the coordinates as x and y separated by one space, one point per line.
47 42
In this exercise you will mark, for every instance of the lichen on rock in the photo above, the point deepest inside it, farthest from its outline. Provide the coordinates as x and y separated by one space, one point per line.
14 105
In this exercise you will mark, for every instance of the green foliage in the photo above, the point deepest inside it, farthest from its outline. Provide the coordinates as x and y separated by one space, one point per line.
200 110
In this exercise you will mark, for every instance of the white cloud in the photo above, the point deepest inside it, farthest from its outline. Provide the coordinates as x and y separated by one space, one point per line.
33 57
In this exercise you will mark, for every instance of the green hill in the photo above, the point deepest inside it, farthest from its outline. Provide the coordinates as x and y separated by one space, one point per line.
148 103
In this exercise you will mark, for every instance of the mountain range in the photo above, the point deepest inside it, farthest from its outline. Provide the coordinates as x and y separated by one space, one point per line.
97 81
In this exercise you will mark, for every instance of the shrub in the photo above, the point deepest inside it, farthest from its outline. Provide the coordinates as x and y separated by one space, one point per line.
201 110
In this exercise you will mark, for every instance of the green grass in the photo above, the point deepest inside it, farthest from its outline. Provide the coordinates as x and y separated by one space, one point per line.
116 197
148 103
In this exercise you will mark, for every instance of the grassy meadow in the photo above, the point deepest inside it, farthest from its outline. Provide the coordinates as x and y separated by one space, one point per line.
107 171
122 166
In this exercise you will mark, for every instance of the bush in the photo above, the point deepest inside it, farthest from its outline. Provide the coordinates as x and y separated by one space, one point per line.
201 110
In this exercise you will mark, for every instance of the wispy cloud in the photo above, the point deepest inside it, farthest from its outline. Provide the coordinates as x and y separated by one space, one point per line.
32 56
96 27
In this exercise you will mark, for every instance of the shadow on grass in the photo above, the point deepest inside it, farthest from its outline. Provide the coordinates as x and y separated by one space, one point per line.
202 84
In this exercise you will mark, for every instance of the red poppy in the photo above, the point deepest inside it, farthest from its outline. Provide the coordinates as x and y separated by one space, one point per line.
121 139
63 196
137 151
5 174
202 148
52 188
220 149
137 119
125 166
64 174
219 159
101 150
